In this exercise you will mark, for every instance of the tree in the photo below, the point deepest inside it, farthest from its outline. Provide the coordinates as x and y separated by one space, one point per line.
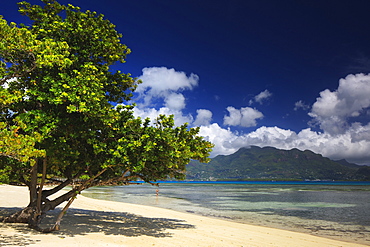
63 114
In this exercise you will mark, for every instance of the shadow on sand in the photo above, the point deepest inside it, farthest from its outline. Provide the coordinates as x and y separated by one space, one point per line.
81 222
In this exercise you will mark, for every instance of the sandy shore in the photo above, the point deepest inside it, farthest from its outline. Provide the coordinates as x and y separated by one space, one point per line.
91 222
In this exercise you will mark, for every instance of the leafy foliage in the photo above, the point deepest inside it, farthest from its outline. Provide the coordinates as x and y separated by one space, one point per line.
62 111
18 146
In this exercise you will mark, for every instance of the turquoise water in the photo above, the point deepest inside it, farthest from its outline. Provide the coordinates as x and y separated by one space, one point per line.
338 210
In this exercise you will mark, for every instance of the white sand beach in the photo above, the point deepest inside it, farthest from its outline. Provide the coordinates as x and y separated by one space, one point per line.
91 222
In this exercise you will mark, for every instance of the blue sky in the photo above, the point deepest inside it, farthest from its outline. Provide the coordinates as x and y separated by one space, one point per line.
288 74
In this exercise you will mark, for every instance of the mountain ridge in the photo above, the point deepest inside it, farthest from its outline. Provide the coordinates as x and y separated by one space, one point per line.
254 162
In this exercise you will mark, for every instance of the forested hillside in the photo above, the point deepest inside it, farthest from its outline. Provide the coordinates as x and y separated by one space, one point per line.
272 163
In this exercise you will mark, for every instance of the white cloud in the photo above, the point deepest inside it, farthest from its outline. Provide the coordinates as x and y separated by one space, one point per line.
333 110
161 83
222 138
153 113
175 101
204 117
5 83
301 105
160 79
261 97
359 133
160 93
245 117
344 146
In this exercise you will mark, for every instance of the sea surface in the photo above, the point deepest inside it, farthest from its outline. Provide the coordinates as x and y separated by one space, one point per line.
338 210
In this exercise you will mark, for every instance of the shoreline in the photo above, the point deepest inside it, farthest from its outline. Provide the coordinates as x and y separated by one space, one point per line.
337 221
108 223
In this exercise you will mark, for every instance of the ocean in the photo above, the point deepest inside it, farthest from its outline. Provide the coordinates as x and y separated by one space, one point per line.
338 210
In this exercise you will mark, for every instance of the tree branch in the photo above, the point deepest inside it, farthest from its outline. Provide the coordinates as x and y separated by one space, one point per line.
57 201
54 190
65 197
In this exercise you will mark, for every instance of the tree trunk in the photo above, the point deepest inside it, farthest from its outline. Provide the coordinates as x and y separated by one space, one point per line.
22 216
33 215
39 204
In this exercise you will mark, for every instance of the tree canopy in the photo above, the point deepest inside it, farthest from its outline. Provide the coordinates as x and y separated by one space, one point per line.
64 112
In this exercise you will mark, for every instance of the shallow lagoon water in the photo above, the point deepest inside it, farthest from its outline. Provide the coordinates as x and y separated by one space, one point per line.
335 210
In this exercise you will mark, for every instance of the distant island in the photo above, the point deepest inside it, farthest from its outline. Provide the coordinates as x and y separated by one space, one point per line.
268 163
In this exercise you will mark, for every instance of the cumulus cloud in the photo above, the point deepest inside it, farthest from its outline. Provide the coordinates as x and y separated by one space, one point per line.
161 93
161 83
175 101
245 117
153 113
224 139
261 97
5 83
228 142
342 137
204 117
337 147
301 105
333 110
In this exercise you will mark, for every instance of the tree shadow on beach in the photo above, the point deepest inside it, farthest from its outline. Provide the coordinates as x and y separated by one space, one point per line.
81 222
15 240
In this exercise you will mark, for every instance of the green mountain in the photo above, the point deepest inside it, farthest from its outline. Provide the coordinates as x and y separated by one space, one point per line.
272 163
